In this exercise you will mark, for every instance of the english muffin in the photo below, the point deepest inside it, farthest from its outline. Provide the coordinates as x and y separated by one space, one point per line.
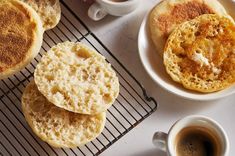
75 77
200 54
56 126
168 14
48 10
20 36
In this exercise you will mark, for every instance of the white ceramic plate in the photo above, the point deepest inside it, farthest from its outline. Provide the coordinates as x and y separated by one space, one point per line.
153 64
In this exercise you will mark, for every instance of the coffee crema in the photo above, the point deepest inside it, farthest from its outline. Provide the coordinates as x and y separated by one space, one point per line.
197 141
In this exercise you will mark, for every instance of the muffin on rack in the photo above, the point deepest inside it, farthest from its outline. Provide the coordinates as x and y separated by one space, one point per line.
56 126
73 87
20 36
75 77
48 10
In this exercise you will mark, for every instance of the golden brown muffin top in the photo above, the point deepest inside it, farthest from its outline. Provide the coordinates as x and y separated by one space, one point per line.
16 34
200 54
181 12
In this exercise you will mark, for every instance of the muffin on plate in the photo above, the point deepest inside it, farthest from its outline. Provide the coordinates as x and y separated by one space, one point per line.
168 14
200 54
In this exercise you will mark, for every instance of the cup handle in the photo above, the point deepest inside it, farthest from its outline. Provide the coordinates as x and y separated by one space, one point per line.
96 12
159 140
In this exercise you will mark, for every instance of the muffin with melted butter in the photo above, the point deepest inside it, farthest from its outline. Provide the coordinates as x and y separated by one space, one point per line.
168 14
200 54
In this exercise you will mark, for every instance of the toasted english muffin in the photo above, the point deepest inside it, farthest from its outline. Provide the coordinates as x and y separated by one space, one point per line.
48 10
200 54
56 126
168 14
20 36
75 77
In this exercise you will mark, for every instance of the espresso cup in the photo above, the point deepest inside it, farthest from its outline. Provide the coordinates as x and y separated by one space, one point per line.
199 135
101 8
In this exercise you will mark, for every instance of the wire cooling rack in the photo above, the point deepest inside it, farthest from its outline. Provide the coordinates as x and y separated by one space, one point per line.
131 107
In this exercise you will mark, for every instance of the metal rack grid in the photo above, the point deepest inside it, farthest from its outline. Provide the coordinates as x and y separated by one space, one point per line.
131 107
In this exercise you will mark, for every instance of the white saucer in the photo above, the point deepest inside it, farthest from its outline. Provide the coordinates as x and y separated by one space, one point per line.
153 64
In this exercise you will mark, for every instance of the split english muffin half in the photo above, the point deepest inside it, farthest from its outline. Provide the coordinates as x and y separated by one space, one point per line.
56 126
77 78
168 14
20 36
200 54
48 10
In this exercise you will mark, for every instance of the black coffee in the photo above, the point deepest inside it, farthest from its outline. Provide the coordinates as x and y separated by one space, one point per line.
118 0
197 141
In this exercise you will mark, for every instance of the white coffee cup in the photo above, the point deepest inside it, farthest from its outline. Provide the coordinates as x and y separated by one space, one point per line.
166 142
101 8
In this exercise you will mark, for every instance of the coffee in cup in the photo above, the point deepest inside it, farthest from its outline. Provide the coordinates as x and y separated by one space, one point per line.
197 141
193 135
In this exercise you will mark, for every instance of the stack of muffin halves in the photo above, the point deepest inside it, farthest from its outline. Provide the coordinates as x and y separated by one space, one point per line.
66 103
73 85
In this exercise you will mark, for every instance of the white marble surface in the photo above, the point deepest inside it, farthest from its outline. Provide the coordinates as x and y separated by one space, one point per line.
120 36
